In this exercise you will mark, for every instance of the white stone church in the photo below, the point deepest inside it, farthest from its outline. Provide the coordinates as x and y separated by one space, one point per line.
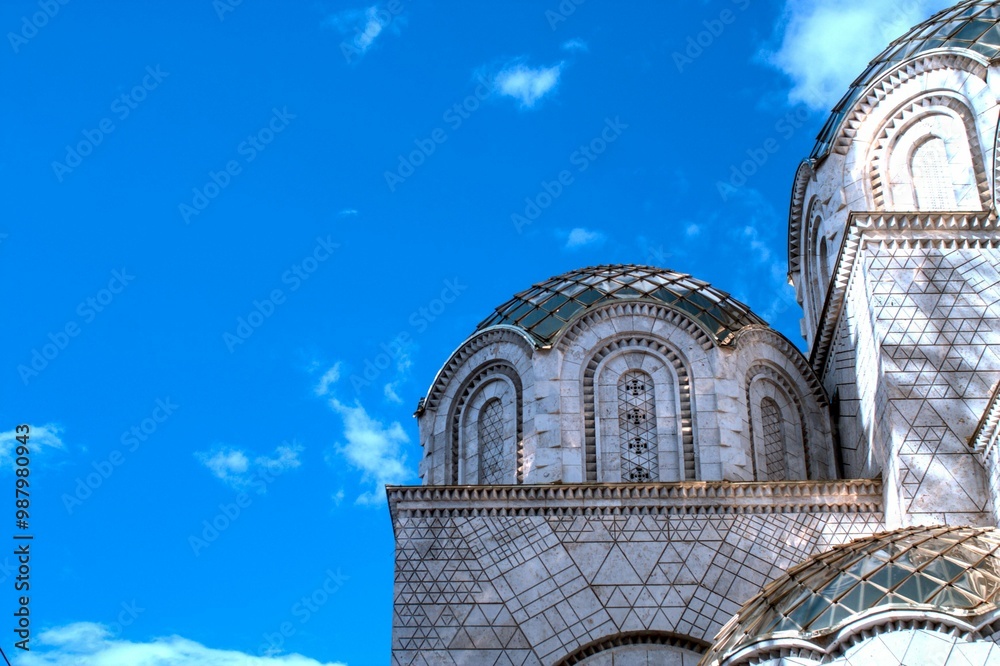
624 465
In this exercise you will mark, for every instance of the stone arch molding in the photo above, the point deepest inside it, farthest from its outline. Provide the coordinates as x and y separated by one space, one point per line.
669 425
669 648
497 379
931 70
938 115
871 121
764 382
768 365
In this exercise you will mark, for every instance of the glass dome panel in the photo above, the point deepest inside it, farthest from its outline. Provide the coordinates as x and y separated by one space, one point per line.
956 569
547 307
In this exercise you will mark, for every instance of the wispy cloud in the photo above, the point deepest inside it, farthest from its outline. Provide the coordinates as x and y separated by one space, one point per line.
348 212
329 378
692 230
238 470
825 45
527 84
374 448
93 643
40 438
575 44
390 393
366 24
579 237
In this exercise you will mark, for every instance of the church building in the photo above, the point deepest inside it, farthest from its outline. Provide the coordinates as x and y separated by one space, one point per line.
623 465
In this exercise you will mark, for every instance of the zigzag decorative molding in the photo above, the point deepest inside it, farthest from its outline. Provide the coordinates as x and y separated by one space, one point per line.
985 436
903 117
893 79
687 498
642 308
468 348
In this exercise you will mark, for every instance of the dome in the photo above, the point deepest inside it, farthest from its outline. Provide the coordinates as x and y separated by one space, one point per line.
972 25
952 570
547 307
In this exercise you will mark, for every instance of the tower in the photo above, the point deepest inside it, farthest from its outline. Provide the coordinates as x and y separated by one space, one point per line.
893 254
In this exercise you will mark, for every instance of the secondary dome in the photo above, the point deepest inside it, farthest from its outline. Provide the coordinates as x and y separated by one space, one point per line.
545 309
951 570
971 25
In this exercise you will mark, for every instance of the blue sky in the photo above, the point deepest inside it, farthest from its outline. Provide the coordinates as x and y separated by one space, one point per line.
240 239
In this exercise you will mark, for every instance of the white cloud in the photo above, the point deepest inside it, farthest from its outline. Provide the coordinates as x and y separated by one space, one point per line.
527 84
225 463
93 644
692 230
366 24
751 234
48 436
575 44
329 377
373 448
348 212
390 393
286 457
826 44
236 469
579 237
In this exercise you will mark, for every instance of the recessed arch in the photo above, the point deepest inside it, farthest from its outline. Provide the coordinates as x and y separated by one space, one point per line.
490 371
918 124
634 638
670 358
777 419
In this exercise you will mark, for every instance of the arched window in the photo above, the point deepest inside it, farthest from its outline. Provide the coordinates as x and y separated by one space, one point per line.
779 447
491 443
930 170
637 428
774 440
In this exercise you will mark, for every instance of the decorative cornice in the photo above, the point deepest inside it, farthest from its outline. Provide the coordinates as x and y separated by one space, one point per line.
805 173
856 630
685 498
947 230
985 437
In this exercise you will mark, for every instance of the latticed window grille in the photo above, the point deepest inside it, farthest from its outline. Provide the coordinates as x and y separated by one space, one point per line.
637 428
931 173
491 443
774 440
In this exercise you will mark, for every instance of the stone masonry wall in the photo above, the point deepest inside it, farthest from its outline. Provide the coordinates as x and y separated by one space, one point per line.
535 574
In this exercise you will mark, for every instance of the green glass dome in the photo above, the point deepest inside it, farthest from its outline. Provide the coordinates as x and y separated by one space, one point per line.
955 570
547 307
971 25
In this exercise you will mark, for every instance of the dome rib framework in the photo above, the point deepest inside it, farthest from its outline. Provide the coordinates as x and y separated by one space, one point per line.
546 308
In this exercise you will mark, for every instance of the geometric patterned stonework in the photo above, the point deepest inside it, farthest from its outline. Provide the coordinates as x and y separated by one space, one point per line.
536 574
907 347
937 320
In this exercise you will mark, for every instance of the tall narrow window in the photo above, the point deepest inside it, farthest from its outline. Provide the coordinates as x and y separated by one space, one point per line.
774 440
931 172
637 428
491 445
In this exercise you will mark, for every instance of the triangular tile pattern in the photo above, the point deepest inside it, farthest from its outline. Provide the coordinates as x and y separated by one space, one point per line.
937 323
525 590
